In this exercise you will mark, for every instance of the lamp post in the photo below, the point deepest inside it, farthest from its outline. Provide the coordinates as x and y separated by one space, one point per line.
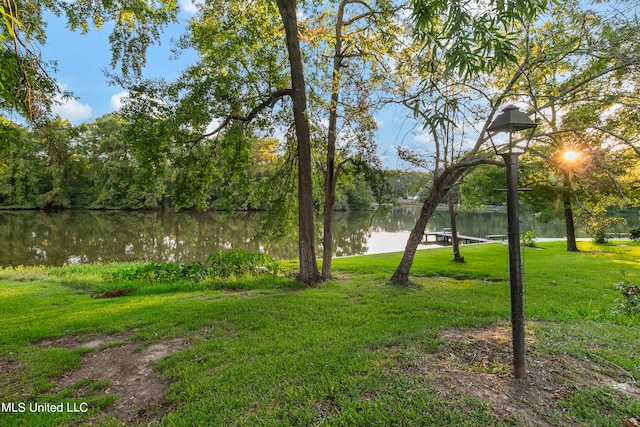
512 120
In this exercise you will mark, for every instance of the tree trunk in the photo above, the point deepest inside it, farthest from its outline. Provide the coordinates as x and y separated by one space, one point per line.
330 176
327 236
568 215
401 275
455 243
329 204
309 273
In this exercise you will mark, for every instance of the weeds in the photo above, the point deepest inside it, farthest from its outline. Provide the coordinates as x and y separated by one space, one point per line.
629 303
221 265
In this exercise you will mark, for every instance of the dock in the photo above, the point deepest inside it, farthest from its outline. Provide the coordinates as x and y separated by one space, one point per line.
444 238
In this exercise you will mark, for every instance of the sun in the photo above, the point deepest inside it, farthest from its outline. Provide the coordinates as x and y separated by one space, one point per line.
571 155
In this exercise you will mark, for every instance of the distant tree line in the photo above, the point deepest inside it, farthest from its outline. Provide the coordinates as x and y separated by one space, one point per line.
97 165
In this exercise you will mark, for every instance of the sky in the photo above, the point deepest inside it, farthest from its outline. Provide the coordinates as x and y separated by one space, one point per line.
83 59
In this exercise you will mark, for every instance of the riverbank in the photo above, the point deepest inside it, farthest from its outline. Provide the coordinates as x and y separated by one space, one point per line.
352 351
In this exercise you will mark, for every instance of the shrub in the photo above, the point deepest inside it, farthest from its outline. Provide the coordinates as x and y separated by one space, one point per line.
629 303
221 265
634 233
238 263
528 239
596 223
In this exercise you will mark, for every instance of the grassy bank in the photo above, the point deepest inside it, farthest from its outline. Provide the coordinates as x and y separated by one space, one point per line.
353 351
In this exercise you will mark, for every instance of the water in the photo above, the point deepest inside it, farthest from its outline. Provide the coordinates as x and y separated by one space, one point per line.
58 238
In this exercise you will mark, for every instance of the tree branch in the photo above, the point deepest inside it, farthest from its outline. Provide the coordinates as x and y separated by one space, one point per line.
583 82
269 101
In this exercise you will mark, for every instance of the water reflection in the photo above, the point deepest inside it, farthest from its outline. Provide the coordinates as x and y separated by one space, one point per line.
57 238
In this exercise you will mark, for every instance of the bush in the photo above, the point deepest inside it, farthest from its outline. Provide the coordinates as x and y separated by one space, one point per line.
238 263
634 233
629 303
597 224
528 239
221 265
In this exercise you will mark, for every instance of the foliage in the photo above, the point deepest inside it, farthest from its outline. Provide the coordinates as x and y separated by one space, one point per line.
136 26
577 68
238 263
112 164
26 84
597 223
161 272
405 184
634 233
528 239
471 40
478 188
629 303
221 265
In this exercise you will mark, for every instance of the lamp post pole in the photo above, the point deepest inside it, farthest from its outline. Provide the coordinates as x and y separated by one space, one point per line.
515 264
511 120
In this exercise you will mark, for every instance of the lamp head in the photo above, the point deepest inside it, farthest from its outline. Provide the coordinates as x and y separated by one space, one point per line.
511 120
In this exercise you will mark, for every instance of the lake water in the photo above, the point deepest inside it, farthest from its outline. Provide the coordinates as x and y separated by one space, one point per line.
58 238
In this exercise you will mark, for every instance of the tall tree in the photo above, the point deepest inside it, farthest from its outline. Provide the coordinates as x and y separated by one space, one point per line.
261 83
468 43
240 80
308 266
363 35
508 82
580 90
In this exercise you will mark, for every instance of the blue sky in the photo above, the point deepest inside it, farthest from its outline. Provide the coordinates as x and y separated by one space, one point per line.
82 60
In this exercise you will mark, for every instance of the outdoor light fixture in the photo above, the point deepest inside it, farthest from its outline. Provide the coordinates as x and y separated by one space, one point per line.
512 120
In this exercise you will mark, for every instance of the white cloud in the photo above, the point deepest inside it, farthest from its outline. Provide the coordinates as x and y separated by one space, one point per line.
423 138
118 99
188 6
215 123
71 109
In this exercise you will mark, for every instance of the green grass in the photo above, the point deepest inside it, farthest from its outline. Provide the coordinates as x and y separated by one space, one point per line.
278 354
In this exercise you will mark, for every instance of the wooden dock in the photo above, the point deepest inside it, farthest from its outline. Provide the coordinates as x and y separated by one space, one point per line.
444 238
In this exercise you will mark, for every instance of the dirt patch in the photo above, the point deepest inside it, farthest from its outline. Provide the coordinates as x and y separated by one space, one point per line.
479 363
127 369
75 343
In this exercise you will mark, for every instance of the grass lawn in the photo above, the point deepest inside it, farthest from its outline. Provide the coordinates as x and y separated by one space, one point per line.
355 351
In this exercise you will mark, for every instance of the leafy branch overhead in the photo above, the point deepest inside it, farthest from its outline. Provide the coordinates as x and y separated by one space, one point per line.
473 38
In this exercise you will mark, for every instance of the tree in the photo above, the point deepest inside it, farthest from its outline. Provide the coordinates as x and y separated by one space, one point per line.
115 176
580 91
26 84
308 266
507 83
56 134
578 76
20 167
450 161
363 34
238 81
254 88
